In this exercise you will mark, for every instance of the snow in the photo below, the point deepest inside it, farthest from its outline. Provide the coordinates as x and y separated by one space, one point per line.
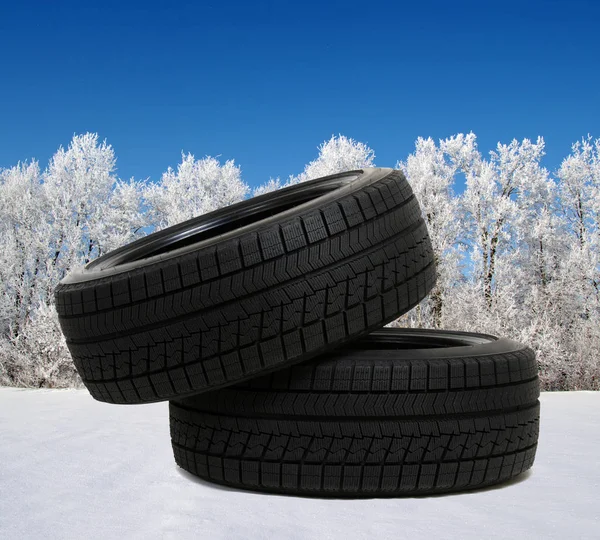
71 467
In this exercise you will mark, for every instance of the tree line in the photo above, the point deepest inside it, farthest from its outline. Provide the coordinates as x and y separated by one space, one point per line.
517 246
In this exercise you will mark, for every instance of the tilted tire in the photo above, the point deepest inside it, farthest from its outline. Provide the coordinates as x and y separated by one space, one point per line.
401 412
248 289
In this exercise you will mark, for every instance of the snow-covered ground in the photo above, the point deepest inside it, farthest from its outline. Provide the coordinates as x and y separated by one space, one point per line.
71 467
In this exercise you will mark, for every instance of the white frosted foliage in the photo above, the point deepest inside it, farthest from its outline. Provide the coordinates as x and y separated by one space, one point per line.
517 247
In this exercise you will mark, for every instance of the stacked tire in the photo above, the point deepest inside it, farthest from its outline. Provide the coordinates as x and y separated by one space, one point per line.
261 323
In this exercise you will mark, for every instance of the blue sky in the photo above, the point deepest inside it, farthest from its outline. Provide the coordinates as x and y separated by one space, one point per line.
266 82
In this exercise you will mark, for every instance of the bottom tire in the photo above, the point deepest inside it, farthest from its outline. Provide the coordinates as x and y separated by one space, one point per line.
402 412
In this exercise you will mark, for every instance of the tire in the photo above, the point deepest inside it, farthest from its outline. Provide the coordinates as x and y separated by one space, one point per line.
401 412
248 289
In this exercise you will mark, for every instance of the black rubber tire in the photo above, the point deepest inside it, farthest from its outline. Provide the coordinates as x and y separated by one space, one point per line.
246 290
402 412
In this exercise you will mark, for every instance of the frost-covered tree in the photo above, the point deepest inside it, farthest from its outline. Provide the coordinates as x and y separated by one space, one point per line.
52 222
338 154
121 220
272 185
24 250
432 172
197 187
84 196
576 299
38 356
579 176
515 245
494 201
